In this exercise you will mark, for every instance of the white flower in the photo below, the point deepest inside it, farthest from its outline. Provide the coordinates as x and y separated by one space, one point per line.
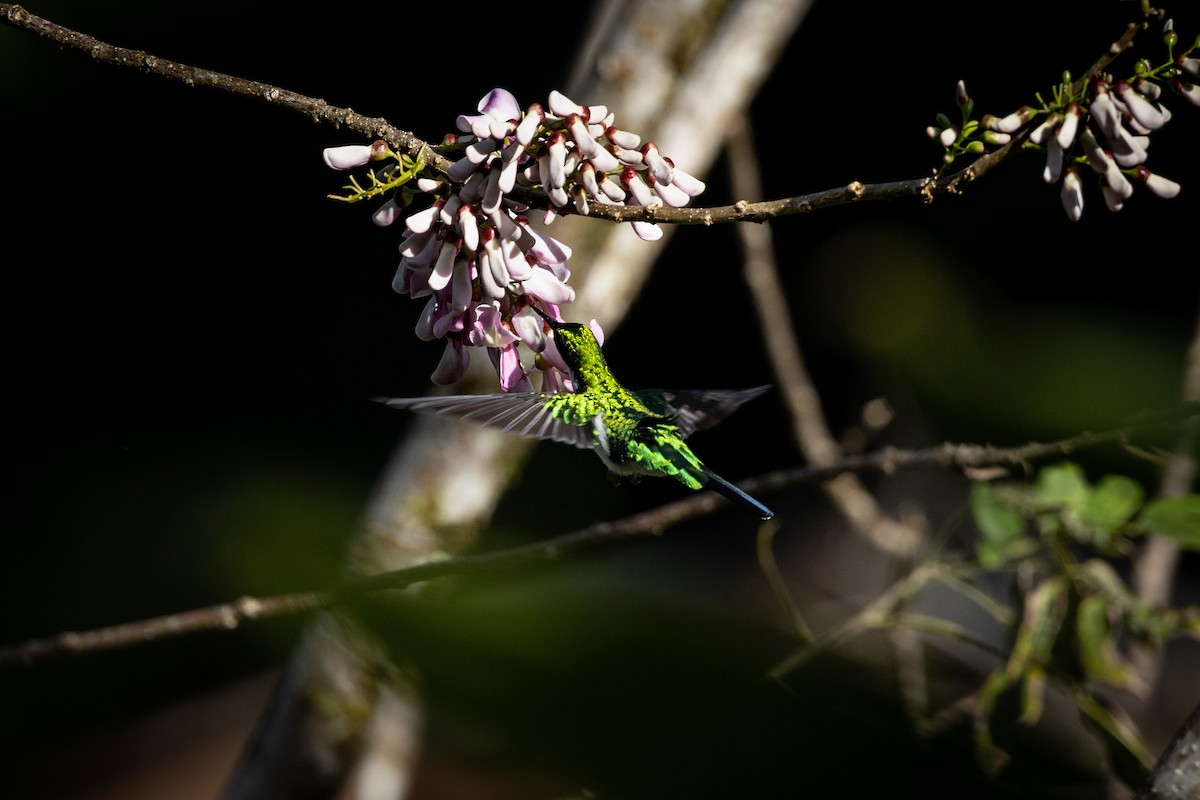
1070 126
1141 109
1072 194
1163 187
347 156
496 109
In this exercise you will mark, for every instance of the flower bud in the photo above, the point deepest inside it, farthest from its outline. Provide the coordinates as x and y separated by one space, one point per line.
1189 91
1072 194
347 156
1070 126
1163 187
1014 121
1170 38
960 95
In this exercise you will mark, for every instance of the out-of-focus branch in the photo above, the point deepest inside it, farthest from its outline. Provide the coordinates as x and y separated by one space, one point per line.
1176 776
228 616
804 402
1154 566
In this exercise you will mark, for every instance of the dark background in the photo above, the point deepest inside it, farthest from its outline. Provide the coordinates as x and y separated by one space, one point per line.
193 328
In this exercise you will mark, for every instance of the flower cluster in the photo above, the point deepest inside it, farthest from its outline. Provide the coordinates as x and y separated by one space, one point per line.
468 246
1105 125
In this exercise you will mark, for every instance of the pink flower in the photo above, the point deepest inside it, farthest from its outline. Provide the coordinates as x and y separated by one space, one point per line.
496 109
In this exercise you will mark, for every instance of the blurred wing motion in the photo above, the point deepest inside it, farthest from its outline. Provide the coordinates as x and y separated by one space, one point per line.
527 414
697 409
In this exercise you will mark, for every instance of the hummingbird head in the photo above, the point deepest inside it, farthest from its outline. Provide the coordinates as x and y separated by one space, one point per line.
576 344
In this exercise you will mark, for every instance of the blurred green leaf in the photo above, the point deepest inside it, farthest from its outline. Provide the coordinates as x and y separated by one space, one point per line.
1000 525
1044 611
1033 694
1113 502
1063 486
1097 645
1176 517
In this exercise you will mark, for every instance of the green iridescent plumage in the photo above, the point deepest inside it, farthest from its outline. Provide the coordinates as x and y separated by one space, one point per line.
634 432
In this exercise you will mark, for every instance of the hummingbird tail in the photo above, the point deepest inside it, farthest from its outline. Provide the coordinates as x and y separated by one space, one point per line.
728 490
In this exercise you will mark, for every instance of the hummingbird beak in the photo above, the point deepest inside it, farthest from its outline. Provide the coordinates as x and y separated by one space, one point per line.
551 321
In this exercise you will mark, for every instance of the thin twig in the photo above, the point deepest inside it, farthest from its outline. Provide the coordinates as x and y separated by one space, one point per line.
228 616
809 427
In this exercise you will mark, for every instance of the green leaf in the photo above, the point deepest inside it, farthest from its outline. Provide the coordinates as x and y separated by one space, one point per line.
1033 696
1176 517
1000 525
1097 645
1042 618
1113 502
1063 486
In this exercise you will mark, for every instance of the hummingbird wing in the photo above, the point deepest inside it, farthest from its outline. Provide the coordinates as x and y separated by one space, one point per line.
697 409
529 414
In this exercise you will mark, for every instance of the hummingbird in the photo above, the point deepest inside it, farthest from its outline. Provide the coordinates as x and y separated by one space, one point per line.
635 433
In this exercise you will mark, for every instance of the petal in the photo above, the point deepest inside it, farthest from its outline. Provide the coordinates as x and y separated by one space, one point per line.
419 248
1113 200
448 322
1163 187
422 221
443 267
477 152
587 178
347 156
515 261
461 170
487 278
449 210
611 189
1070 126
1047 128
547 249
1054 161
633 183
624 139
512 375
468 228
659 167
387 213
597 331
1139 107
671 194
424 327
543 285
500 104
1189 91
492 194
647 231
561 105
460 286
1105 112
1072 194
685 181
533 119
630 158
1014 121
528 325
453 364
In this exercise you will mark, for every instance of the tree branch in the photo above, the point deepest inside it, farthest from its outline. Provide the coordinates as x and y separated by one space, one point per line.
923 189
227 616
